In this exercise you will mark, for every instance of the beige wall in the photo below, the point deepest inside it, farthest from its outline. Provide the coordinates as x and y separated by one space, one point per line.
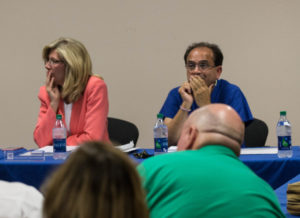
137 46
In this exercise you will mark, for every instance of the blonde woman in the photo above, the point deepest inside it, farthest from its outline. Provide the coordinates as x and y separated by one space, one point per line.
72 91
96 181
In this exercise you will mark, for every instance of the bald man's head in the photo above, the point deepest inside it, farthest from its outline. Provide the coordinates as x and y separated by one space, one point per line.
212 124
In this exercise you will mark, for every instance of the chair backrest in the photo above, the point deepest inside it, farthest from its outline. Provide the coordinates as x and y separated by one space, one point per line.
121 131
256 133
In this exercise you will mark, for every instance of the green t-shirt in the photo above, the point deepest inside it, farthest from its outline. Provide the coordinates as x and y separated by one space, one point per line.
209 182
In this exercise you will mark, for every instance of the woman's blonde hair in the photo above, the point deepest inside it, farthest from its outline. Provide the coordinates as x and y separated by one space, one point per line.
96 181
78 66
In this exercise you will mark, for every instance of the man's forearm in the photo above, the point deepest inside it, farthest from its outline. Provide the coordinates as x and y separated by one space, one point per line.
175 126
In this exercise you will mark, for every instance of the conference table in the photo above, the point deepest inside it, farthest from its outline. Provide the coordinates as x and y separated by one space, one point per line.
30 170
33 171
276 171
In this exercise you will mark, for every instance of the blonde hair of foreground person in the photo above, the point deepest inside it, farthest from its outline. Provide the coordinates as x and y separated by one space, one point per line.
96 181
78 66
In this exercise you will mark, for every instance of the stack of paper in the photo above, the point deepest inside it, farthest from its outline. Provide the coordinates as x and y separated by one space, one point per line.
262 150
127 147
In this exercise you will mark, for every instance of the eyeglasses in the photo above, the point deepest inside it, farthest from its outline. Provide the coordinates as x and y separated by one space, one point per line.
53 62
202 65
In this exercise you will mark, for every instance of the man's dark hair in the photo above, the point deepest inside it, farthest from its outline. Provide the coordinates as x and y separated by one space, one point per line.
218 56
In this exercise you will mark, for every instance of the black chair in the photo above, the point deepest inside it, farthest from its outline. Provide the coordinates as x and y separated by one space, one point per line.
121 131
256 133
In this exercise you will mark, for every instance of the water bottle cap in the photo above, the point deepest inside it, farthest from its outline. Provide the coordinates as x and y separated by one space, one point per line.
282 113
160 116
58 116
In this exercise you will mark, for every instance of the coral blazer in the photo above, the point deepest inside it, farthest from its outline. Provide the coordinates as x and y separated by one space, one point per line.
88 118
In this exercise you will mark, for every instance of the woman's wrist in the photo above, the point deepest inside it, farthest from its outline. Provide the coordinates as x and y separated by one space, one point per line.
54 106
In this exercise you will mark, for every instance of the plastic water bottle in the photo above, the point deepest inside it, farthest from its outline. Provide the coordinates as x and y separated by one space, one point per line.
160 131
59 134
284 132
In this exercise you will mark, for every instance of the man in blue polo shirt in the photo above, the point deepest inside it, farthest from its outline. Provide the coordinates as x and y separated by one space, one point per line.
203 62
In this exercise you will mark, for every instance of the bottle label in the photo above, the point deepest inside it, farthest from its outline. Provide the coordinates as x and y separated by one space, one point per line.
59 145
160 144
284 142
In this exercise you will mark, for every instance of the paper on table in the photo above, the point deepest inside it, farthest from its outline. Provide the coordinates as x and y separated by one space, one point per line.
172 149
127 147
263 150
49 149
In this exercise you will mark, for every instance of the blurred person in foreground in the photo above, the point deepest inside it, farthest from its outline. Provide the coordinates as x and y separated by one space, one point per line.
97 180
205 178
18 200
203 63
72 91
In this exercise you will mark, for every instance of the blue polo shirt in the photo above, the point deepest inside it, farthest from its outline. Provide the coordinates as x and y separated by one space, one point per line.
224 92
